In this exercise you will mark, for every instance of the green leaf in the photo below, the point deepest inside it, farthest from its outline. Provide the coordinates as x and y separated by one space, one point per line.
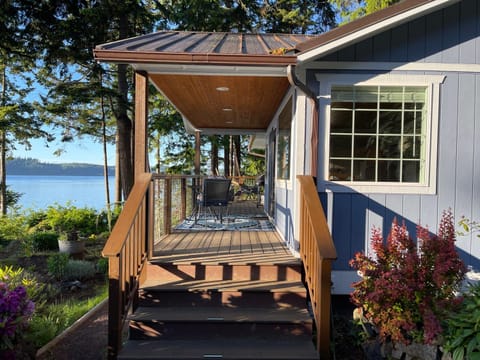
474 356
458 354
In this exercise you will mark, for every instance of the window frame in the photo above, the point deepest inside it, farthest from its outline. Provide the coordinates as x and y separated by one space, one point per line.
285 110
431 83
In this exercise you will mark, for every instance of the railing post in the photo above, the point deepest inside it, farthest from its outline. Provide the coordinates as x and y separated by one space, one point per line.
167 206
324 304
114 308
183 195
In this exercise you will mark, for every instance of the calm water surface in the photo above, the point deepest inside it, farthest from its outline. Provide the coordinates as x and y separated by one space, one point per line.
41 191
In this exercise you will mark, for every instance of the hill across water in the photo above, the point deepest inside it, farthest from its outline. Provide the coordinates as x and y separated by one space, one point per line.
28 166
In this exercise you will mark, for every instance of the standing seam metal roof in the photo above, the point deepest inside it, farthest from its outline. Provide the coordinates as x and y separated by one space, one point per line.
208 43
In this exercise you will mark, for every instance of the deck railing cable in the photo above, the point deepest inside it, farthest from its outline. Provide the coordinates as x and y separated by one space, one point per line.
317 252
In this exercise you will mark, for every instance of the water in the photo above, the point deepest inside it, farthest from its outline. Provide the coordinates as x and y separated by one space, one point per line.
42 191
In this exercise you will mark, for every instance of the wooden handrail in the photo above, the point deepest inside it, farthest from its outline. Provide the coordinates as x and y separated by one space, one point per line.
317 252
127 250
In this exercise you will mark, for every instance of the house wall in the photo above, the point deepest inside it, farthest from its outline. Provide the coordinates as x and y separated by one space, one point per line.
449 41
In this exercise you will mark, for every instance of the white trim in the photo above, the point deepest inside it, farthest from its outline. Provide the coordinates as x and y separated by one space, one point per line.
373 29
432 82
300 155
188 69
391 66
285 183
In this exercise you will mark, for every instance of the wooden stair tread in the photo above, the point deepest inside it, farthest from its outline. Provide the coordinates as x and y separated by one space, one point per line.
222 314
227 259
219 349
225 285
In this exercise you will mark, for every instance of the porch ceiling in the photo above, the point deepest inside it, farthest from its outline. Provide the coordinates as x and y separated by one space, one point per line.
220 82
224 104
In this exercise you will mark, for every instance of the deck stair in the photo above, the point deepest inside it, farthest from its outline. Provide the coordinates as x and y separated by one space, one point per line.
212 308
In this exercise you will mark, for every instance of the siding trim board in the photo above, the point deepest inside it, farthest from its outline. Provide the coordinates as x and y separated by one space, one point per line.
394 66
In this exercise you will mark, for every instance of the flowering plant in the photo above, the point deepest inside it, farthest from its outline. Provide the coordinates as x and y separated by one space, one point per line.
407 289
15 312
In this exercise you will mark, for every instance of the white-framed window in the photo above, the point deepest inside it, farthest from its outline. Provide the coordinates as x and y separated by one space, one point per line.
381 132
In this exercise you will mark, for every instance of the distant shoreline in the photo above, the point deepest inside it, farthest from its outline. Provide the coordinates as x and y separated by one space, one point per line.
33 167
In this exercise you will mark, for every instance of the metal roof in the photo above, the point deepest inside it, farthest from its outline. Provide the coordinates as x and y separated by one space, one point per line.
203 47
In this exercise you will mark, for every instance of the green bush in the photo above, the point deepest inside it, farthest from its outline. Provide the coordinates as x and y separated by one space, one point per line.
12 227
44 241
57 264
462 333
79 270
70 218
17 276
102 265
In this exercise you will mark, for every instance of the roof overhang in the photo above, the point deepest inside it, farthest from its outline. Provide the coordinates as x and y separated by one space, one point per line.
367 26
221 83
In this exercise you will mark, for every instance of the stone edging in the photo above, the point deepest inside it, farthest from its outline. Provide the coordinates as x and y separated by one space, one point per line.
87 316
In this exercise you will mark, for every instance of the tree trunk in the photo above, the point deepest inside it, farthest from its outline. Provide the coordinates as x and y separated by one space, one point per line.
214 156
238 154
3 145
124 123
226 155
3 174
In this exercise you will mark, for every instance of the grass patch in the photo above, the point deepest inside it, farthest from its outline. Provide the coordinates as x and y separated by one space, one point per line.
56 318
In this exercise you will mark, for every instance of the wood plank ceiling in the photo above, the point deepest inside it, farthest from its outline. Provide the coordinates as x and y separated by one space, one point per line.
218 103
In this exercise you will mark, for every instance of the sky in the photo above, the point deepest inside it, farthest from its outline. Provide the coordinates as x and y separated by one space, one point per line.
80 150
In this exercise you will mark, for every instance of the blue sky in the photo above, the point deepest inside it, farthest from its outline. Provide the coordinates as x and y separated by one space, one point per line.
81 150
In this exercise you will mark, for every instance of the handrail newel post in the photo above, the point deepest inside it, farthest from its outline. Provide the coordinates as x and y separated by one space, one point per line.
317 252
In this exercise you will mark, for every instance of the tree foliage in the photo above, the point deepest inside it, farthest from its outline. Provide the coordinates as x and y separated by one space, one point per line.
349 10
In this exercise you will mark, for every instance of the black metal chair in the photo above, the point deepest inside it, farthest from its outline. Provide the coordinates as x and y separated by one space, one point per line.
215 194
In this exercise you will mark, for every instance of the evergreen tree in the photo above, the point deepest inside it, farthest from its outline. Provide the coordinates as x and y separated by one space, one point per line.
18 119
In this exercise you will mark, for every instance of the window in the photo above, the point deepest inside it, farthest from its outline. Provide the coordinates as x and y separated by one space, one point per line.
378 134
284 142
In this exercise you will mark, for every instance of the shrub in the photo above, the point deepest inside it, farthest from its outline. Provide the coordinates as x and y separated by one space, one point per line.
15 277
44 241
79 270
406 290
15 312
462 331
12 227
102 266
56 264
71 219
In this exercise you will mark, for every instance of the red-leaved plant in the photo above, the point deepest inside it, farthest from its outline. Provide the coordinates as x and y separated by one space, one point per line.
406 288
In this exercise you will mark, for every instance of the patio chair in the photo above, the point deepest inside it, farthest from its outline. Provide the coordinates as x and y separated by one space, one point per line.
215 195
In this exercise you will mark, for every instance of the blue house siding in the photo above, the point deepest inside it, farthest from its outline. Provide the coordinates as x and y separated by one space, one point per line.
446 36
449 36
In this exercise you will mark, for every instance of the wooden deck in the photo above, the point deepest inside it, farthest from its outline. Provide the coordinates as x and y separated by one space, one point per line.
225 247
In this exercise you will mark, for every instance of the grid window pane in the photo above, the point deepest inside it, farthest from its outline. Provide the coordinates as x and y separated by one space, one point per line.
364 170
389 147
366 122
390 122
341 146
340 170
341 121
365 146
388 170
387 125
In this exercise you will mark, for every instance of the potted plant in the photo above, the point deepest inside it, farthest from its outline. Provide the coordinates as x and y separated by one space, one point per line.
73 225
407 290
